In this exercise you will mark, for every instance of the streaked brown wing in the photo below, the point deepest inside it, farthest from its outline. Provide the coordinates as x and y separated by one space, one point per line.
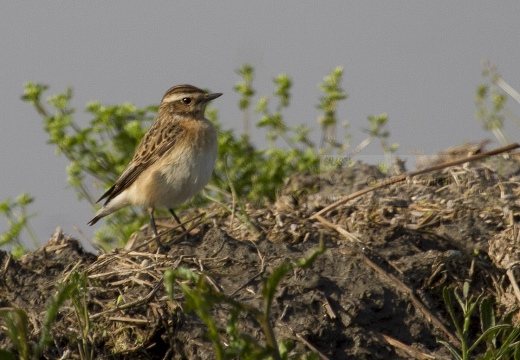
155 143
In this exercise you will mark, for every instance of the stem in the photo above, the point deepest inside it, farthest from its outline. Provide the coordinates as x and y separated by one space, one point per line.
269 335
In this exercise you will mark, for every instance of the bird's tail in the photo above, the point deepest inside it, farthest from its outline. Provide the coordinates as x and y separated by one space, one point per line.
110 206
94 220
99 214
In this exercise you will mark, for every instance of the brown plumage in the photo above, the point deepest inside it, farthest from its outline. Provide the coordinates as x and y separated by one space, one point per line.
173 161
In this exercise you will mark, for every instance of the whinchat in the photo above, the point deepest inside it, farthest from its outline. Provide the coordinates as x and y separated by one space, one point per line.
173 161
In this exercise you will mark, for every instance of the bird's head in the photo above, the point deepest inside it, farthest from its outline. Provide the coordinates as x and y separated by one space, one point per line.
187 100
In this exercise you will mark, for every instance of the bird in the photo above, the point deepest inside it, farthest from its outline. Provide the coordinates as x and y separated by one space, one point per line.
173 161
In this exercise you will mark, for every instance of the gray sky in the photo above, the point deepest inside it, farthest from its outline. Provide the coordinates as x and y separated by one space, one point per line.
420 62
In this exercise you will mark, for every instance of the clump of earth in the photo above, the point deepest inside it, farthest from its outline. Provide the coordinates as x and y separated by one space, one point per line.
376 292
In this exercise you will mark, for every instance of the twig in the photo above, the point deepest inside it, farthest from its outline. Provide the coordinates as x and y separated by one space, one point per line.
105 259
339 229
144 300
392 180
507 88
328 308
310 346
400 285
242 216
130 320
513 282
410 350
87 239
262 270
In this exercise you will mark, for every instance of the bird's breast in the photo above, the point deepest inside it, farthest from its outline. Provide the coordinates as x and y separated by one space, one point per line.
186 168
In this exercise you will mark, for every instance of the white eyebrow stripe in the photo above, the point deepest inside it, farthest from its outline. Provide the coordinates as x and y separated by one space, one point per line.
174 97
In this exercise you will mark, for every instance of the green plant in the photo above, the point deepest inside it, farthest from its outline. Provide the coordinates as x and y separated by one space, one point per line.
15 211
376 130
99 151
500 339
490 102
332 95
245 89
260 173
201 296
17 325
78 297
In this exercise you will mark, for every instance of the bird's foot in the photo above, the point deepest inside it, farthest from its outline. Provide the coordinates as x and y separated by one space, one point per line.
160 246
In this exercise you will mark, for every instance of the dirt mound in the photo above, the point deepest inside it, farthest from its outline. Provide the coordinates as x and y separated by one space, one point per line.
376 292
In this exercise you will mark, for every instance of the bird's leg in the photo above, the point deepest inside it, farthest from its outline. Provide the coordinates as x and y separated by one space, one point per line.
154 229
177 219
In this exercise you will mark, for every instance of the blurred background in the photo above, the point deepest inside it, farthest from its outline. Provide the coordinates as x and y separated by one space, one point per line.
419 62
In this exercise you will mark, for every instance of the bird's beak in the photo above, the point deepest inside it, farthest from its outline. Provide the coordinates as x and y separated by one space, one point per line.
212 96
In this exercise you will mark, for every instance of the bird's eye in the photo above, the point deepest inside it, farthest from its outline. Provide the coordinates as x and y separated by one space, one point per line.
186 100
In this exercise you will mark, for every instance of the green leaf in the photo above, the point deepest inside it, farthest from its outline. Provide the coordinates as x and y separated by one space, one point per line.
452 350
489 333
6 355
487 315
